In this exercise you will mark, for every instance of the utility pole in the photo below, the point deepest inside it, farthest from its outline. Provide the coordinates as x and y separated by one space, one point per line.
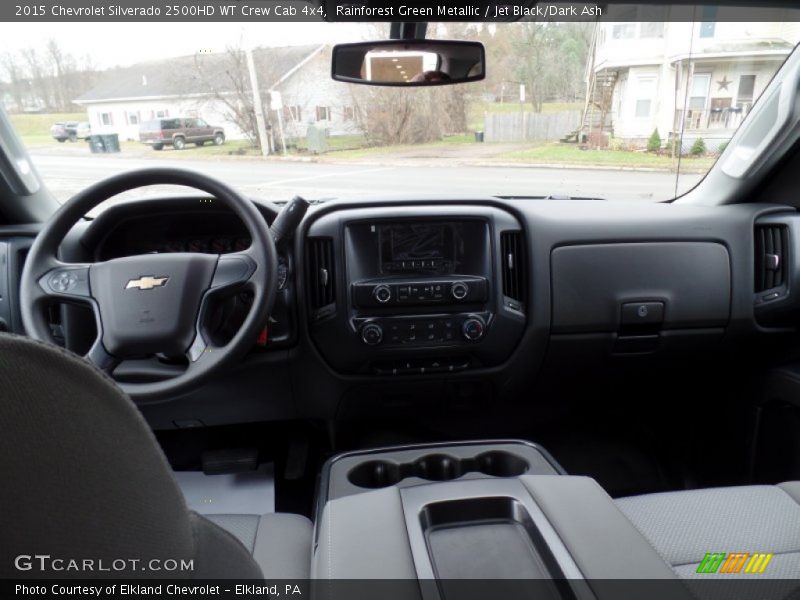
261 125
276 104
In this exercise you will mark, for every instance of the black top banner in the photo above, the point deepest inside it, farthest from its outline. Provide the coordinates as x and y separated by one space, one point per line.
377 10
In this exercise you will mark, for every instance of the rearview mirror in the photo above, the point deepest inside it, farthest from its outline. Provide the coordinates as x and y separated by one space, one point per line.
409 63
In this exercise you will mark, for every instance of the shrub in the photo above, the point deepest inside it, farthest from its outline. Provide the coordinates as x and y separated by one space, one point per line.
698 148
721 147
615 143
654 143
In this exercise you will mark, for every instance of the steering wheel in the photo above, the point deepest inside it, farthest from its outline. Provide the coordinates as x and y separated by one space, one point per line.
153 303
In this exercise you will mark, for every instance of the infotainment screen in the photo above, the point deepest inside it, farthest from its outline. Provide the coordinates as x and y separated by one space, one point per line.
425 246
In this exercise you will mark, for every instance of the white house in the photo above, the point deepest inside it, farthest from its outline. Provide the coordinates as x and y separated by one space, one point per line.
211 86
698 79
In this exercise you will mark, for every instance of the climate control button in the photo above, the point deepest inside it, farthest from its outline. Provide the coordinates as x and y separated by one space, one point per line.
459 290
473 329
382 294
372 334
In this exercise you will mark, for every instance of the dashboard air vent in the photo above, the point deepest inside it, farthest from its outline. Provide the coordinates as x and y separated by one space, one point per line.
514 270
320 273
772 245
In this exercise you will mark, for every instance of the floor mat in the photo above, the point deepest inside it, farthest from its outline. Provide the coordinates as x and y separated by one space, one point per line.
250 493
621 469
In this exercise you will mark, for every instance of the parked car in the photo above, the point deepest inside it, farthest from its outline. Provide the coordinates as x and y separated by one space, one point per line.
179 131
70 130
83 131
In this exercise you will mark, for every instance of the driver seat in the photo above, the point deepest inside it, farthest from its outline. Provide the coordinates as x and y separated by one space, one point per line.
85 479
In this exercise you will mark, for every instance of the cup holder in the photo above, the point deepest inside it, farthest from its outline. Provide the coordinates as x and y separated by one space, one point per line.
438 467
500 464
377 474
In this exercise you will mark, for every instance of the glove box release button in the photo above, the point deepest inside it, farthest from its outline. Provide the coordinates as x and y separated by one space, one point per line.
642 313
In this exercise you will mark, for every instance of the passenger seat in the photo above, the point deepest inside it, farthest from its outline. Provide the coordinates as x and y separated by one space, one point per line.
685 526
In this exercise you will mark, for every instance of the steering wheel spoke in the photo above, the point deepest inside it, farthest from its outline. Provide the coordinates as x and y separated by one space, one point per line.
66 282
100 358
198 348
233 271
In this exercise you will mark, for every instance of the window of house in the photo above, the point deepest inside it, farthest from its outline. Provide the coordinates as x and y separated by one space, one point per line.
652 30
746 89
349 113
708 26
698 93
645 91
292 113
160 114
323 113
106 118
132 118
707 29
623 31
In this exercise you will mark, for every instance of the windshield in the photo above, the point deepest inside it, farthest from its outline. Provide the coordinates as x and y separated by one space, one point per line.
636 111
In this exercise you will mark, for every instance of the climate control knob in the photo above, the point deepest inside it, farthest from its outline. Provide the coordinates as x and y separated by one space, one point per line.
459 290
473 329
382 294
372 334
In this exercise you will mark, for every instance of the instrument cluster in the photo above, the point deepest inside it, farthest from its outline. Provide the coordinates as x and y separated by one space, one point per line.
204 245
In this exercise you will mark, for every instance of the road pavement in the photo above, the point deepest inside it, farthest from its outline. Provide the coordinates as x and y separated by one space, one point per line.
275 179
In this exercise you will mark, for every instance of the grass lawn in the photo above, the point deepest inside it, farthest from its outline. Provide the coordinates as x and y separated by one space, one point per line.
246 148
335 143
208 150
369 151
35 128
571 154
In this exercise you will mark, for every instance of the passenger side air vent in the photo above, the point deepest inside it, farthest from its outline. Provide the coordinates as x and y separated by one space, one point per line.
512 249
320 276
771 260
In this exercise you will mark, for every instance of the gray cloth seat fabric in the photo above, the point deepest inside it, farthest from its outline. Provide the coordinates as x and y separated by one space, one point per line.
288 559
684 526
84 479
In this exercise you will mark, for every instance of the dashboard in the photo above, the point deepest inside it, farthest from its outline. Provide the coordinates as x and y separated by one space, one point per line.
401 305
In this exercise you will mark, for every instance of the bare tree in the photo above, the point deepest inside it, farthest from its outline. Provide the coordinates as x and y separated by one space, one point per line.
227 79
47 78
550 58
38 77
409 116
63 72
16 80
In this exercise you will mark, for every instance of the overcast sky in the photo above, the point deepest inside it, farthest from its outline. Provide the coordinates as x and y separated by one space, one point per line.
113 44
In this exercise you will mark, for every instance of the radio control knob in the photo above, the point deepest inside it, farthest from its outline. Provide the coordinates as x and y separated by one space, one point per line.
372 334
473 329
382 294
459 290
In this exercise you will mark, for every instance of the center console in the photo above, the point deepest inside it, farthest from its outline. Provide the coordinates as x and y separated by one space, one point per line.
456 517
435 290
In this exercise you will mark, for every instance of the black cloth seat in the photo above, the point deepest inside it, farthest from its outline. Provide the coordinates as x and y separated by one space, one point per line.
84 479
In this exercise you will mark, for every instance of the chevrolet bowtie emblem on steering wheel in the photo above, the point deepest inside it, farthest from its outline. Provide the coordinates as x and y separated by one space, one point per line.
147 283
